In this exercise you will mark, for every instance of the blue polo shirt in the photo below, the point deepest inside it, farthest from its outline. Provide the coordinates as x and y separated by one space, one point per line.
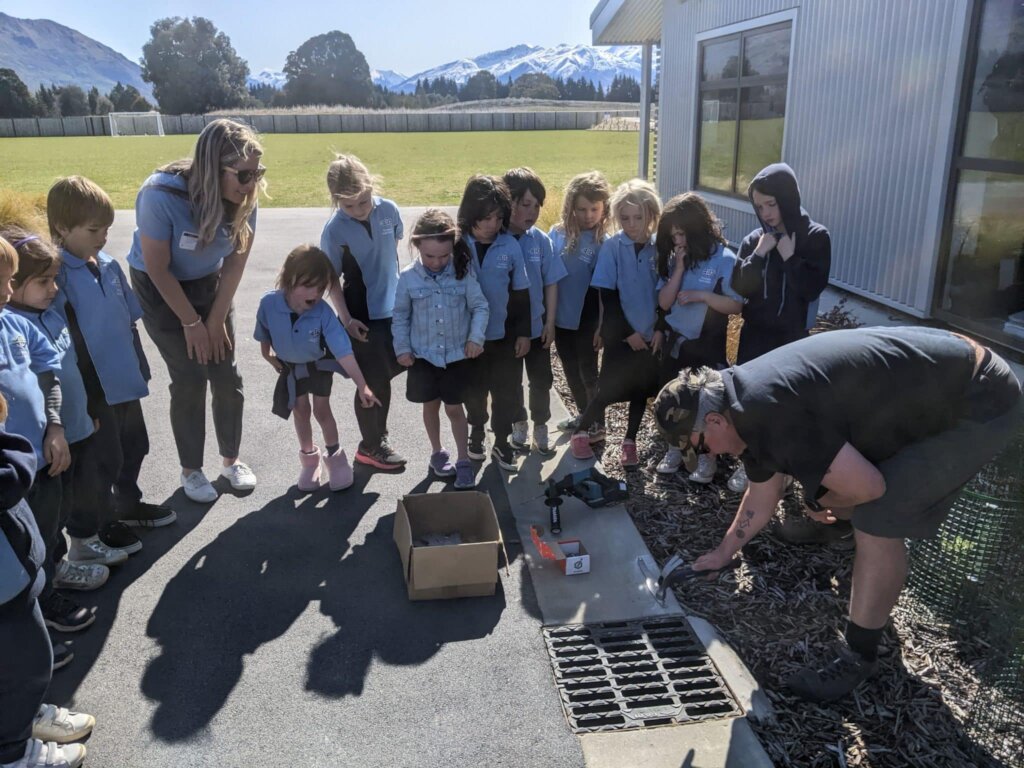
164 212
74 411
502 272
304 340
688 320
377 256
25 353
107 309
544 267
579 265
621 268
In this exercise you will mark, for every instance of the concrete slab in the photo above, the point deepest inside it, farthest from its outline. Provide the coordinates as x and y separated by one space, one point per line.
726 743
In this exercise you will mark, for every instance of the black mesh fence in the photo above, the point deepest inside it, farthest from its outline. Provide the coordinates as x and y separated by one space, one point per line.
971 578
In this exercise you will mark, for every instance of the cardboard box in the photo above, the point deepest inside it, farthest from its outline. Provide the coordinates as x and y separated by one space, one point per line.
468 569
569 554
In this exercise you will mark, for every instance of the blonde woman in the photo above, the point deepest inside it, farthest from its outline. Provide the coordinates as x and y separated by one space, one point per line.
195 221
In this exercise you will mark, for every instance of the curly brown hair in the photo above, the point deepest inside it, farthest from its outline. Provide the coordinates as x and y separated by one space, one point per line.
688 212
435 224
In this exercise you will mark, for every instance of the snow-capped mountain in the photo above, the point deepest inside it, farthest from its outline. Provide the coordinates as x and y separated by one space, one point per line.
267 77
598 65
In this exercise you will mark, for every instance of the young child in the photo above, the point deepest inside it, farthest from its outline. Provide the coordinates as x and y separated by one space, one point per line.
101 311
626 278
782 269
545 269
303 340
440 318
694 290
496 261
361 240
584 227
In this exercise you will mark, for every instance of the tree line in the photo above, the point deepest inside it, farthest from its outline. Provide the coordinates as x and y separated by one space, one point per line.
194 69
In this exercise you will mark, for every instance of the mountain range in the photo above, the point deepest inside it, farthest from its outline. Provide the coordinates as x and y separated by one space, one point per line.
44 52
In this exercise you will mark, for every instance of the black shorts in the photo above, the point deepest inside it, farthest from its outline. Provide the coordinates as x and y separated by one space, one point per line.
427 382
317 383
923 479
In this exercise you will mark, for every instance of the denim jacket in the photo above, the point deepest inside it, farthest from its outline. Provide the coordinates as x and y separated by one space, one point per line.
435 315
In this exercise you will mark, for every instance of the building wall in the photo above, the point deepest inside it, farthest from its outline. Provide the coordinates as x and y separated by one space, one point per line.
870 117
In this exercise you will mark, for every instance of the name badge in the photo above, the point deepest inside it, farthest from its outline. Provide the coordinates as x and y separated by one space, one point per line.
188 241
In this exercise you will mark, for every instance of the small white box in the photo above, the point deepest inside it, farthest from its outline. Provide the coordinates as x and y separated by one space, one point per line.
576 560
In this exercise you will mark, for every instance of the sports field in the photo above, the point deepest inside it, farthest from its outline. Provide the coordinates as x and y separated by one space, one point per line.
416 168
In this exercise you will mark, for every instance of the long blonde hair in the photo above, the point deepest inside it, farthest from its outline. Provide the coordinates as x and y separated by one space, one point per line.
644 196
221 144
348 177
594 187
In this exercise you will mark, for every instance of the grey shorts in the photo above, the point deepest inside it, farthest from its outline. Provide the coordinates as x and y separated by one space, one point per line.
923 480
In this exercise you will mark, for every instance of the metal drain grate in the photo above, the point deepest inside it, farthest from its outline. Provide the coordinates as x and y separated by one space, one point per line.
635 674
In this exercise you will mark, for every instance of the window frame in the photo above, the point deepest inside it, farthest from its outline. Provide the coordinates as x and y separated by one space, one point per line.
739 32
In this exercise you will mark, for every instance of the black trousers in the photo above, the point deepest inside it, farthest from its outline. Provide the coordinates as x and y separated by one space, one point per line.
44 499
189 378
538 372
498 373
579 364
692 352
626 376
26 660
377 361
121 444
80 510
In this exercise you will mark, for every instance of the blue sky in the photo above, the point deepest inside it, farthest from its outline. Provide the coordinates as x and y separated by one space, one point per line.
404 35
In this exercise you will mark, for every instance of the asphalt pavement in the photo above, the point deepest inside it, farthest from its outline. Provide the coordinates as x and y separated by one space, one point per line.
273 628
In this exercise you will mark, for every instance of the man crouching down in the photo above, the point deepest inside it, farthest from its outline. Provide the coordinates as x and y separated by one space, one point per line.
881 426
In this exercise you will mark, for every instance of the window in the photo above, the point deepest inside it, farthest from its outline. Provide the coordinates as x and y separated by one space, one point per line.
742 106
983 280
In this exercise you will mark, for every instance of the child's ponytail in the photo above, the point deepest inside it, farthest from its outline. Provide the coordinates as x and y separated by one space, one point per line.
435 224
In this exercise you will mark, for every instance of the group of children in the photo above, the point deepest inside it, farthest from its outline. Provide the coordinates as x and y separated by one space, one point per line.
487 295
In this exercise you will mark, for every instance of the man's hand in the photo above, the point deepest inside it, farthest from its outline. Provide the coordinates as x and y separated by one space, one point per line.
715 560
406 360
473 350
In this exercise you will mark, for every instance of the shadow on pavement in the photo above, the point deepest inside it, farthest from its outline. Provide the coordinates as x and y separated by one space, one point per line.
244 589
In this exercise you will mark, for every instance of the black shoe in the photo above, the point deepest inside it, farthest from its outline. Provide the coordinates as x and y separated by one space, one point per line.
120 536
146 515
65 615
795 529
476 449
836 679
62 655
505 456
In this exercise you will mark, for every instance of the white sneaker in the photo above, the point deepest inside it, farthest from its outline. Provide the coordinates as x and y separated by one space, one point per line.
571 424
40 754
738 482
671 463
519 439
92 551
197 487
57 724
705 472
80 576
541 441
239 476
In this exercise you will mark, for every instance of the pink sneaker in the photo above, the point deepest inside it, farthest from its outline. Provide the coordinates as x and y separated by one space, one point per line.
339 471
580 445
309 475
627 455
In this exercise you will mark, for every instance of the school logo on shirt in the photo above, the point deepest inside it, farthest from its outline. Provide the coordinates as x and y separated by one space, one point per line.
587 254
708 274
502 261
387 222
314 335
533 254
19 348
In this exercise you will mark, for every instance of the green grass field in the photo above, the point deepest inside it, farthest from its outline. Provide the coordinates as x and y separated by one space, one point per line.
417 168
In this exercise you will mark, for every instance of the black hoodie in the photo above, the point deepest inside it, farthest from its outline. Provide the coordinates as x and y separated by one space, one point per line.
17 468
778 292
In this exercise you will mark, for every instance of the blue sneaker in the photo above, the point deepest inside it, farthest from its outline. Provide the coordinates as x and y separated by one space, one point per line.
441 464
465 474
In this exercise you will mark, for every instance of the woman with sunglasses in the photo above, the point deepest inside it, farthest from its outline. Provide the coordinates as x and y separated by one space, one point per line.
195 221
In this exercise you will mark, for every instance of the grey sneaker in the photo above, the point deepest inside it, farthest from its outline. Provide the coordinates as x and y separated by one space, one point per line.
705 472
520 435
93 551
465 474
239 476
81 577
197 487
57 724
836 679
571 424
541 442
671 463
738 482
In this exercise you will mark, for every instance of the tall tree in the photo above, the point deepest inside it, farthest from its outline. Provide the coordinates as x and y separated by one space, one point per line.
126 98
192 66
328 69
72 101
481 85
15 99
534 85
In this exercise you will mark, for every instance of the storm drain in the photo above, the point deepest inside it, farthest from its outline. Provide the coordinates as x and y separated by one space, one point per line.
635 674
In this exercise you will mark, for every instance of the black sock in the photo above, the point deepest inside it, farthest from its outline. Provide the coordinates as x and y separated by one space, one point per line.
863 641
332 449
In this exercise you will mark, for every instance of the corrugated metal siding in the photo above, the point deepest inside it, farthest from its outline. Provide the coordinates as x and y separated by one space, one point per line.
638 21
868 105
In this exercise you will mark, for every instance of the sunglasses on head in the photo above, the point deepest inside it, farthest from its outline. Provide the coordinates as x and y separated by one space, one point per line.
244 177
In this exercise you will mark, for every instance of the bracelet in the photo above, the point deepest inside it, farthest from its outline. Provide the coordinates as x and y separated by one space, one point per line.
198 321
